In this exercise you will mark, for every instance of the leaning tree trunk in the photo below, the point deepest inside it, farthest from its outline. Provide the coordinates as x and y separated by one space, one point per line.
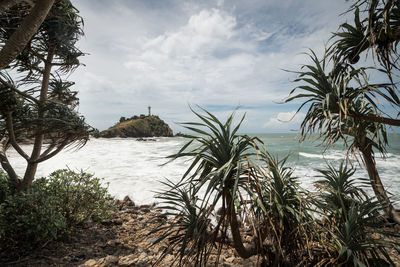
6 164
377 185
33 162
24 33
243 251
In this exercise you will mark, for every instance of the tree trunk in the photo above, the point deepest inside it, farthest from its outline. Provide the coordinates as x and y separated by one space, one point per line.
244 252
6 164
377 183
388 121
24 33
39 136
237 238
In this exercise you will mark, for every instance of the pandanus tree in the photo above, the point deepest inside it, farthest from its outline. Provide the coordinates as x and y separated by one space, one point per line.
378 30
223 191
341 105
350 222
29 26
36 102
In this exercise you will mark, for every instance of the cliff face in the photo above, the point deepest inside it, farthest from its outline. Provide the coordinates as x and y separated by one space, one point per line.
148 126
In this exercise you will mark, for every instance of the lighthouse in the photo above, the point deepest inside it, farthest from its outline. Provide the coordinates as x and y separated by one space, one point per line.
149 110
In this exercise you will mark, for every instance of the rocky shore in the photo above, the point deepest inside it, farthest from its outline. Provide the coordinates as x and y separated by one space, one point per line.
124 240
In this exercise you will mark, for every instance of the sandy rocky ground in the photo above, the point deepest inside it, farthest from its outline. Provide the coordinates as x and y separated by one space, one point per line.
122 241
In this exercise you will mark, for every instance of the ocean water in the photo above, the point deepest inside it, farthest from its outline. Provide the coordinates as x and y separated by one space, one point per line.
135 168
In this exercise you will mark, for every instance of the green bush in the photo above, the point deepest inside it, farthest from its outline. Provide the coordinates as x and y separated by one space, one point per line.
285 209
81 196
353 232
30 218
49 208
4 186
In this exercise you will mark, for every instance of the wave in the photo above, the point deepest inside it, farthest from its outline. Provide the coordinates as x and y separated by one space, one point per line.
332 156
135 168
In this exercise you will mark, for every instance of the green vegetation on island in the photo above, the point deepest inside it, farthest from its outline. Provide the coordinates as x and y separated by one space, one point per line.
138 126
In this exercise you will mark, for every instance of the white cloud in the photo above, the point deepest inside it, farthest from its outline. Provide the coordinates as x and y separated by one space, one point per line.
208 53
285 121
211 58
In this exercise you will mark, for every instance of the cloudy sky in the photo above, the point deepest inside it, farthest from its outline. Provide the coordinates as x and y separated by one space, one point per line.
218 54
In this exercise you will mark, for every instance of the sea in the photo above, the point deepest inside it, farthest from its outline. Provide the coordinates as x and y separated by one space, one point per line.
134 168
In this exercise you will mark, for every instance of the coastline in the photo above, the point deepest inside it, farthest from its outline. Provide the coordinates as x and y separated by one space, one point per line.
126 239
133 168
123 240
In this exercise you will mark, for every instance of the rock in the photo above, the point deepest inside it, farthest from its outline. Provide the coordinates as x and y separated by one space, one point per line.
128 260
145 210
151 240
145 206
146 140
117 221
110 260
131 222
143 248
131 244
113 243
230 259
89 263
89 252
142 256
169 258
82 254
127 202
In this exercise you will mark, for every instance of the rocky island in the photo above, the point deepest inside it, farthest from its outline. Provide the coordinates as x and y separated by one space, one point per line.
138 126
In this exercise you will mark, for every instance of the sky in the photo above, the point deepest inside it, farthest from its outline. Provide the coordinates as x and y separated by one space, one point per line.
220 55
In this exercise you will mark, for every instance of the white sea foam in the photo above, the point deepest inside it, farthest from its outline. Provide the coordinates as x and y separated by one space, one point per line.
135 168
333 155
130 167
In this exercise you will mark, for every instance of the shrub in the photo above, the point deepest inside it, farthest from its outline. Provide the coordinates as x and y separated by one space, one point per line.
30 218
4 186
81 196
49 208
285 209
353 229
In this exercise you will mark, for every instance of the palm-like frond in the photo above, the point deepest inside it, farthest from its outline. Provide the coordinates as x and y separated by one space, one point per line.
337 99
217 151
351 220
338 189
285 208
220 172
378 30
351 41
189 228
